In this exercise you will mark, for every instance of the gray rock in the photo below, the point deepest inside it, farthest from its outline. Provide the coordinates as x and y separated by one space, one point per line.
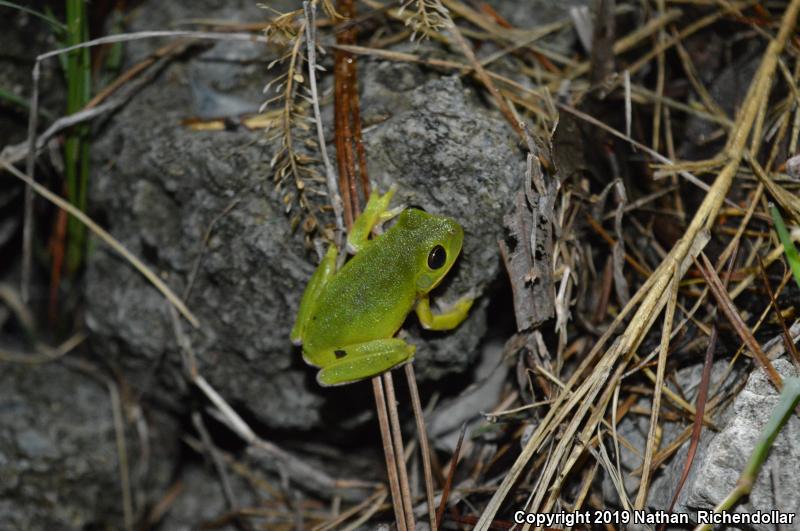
722 456
201 500
58 458
634 429
728 453
159 186
451 156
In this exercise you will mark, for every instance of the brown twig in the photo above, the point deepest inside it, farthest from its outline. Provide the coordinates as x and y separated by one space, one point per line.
787 336
347 118
389 453
702 395
424 446
480 72
727 307
399 450
450 475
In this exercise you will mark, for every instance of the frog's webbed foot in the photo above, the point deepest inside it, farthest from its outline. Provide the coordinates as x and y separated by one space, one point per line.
448 319
376 212
364 360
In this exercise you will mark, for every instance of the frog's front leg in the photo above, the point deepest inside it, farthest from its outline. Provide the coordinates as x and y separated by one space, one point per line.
445 320
316 284
363 360
377 211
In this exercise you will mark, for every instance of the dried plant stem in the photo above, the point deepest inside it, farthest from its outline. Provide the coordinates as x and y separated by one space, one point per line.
641 496
650 297
389 453
288 102
219 465
122 455
348 120
451 473
378 497
481 74
27 230
399 450
729 310
424 446
310 9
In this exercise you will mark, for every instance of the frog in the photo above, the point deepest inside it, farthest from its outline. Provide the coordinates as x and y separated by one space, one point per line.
348 318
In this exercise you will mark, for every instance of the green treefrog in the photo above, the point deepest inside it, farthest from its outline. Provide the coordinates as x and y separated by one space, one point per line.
348 318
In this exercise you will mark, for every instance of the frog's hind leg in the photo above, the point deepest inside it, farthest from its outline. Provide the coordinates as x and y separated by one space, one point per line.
316 284
363 360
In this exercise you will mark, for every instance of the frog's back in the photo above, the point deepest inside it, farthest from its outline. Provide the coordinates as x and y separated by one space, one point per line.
369 298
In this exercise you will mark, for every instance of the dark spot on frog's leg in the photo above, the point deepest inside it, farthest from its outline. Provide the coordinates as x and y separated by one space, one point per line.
339 354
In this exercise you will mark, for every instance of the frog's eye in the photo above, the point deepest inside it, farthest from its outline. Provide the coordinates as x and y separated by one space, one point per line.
437 257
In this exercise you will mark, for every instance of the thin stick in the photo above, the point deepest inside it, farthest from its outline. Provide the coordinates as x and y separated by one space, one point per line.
388 452
450 475
330 177
27 229
480 72
125 37
399 450
702 394
641 496
727 307
424 447
219 465
122 453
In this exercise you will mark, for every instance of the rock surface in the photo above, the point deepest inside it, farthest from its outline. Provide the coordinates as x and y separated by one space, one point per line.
729 451
58 458
721 456
160 186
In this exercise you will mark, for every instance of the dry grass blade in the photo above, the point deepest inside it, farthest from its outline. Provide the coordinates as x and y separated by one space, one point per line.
122 455
727 307
787 336
450 475
666 332
399 450
375 505
424 446
375 499
702 397
389 453
650 296
43 353
480 72
330 176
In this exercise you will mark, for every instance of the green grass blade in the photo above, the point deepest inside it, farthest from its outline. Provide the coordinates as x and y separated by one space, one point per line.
76 150
788 246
